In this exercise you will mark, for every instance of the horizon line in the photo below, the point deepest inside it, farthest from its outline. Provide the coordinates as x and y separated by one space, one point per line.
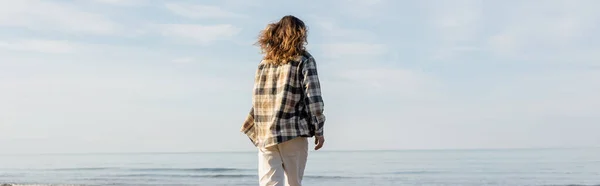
341 150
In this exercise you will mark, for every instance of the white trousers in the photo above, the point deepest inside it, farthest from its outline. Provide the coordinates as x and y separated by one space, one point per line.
283 163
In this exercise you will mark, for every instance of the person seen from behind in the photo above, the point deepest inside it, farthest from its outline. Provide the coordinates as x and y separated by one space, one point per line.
287 107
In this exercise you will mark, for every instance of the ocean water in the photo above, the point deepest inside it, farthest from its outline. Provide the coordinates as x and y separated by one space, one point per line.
529 167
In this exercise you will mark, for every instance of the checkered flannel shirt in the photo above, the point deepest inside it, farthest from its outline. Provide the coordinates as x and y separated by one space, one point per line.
286 103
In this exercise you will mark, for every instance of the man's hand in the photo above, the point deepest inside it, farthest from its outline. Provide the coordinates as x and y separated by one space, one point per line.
319 140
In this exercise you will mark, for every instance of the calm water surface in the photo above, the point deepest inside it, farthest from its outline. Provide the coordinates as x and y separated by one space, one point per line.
558 167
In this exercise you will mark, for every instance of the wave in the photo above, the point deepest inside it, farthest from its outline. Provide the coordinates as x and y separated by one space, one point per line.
85 169
572 185
153 169
222 176
416 172
9 184
331 177
188 175
233 176
190 169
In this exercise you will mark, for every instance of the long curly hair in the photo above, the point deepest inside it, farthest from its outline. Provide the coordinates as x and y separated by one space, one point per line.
284 40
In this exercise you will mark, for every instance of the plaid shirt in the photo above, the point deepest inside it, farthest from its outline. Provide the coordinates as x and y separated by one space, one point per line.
286 103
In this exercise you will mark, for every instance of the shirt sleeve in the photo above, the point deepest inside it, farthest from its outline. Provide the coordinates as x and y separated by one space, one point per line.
312 89
249 122
248 126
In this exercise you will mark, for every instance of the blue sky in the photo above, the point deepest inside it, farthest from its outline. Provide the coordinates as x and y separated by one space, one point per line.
149 75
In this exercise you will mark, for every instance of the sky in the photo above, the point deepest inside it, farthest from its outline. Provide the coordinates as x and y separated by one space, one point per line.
86 76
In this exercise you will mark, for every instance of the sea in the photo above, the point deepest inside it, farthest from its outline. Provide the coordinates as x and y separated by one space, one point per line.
508 167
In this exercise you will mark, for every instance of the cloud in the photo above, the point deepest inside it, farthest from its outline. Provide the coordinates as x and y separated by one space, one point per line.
344 50
533 108
543 100
450 52
331 30
456 21
532 31
120 2
46 15
43 46
200 34
40 102
144 82
183 60
456 25
345 44
409 81
361 9
199 11
503 44
516 30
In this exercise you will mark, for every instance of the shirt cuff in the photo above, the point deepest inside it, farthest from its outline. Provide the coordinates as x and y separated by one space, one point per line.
319 132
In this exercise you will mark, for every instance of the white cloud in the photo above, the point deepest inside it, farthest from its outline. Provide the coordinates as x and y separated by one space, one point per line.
120 2
201 34
456 24
46 15
456 21
453 51
183 60
526 30
447 105
43 46
95 102
346 44
409 82
332 31
503 44
361 8
532 31
556 93
532 108
199 11
344 50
